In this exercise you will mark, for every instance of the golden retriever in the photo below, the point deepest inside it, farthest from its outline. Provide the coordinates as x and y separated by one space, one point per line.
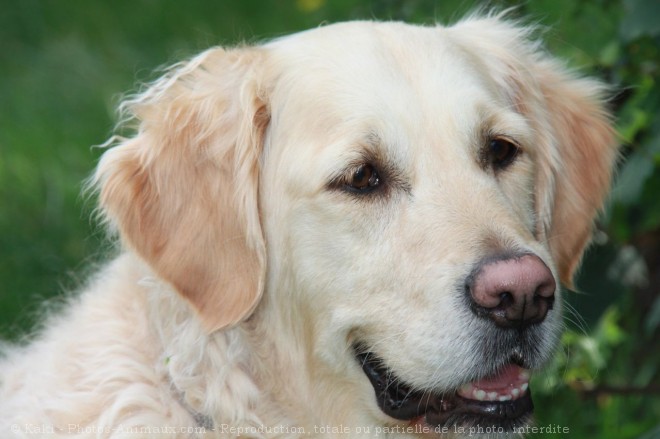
355 231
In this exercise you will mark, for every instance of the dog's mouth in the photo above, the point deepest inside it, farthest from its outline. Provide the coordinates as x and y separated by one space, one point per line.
503 399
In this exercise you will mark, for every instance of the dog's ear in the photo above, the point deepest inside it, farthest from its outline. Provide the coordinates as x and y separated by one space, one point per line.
576 144
183 191
579 161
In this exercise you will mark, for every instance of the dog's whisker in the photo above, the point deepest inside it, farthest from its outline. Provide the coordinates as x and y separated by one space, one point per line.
572 315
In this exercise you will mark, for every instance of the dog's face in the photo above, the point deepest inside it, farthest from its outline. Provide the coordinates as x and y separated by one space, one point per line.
406 200
413 168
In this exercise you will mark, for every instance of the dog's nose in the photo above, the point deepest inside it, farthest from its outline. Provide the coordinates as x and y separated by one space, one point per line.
514 291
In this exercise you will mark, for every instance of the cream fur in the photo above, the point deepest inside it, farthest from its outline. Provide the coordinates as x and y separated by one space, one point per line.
245 276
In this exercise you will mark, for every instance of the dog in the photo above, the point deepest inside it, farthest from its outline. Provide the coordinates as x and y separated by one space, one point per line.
358 230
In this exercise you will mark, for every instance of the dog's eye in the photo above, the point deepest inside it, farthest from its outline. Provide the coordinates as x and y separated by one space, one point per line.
365 178
502 152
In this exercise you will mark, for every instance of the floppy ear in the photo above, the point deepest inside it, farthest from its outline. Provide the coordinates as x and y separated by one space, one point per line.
576 145
584 144
183 190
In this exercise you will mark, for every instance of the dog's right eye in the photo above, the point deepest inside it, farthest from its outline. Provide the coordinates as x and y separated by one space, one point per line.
502 152
364 178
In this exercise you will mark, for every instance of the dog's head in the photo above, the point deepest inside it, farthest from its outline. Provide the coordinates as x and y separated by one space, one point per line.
400 203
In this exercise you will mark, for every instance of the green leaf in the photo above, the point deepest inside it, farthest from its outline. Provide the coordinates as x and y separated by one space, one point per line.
609 332
653 318
634 174
610 53
637 120
654 433
592 351
650 213
641 18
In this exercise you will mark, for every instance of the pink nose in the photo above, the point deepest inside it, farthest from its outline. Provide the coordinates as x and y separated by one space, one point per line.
514 291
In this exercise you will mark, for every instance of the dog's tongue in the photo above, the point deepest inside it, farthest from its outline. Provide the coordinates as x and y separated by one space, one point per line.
511 381
504 395
510 376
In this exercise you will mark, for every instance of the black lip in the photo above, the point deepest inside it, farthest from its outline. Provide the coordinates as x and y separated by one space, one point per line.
394 397
482 412
400 401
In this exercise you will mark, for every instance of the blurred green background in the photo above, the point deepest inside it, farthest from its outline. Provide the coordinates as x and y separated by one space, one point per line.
63 65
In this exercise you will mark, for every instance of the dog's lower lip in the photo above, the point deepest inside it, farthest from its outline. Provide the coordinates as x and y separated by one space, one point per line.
488 410
398 400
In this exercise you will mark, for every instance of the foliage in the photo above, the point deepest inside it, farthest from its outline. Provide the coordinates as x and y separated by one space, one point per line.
63 62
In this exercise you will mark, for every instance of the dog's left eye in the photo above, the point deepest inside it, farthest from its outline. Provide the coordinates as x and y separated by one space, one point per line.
364 179
502 152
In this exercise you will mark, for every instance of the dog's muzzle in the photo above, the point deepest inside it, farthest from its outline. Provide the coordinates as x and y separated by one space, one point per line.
510 296
503 399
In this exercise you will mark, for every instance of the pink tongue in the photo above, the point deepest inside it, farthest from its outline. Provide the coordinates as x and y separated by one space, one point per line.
507 377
